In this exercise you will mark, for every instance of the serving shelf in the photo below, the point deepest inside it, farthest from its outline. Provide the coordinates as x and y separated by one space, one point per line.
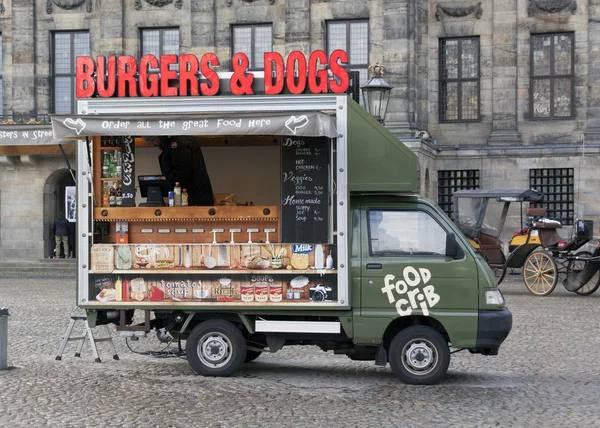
217 213
220 272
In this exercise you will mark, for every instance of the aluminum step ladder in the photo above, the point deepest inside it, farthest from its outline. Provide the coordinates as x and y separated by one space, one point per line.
86 334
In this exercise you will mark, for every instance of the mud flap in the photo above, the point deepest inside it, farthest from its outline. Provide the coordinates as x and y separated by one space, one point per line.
575 282
381 356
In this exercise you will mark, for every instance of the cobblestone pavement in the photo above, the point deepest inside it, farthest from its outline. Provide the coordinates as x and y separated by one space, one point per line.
546 375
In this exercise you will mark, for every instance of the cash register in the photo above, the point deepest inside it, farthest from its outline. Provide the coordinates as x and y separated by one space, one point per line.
155 189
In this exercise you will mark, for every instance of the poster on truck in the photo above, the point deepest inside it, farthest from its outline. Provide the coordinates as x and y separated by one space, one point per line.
211 273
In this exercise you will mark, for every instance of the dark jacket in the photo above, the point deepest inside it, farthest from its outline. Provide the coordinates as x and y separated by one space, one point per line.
182 161
61 226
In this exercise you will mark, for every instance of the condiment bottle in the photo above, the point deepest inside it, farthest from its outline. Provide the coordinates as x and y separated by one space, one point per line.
177 192
118 289
329 261
125 290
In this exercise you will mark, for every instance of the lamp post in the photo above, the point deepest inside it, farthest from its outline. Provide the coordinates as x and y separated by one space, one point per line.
376 93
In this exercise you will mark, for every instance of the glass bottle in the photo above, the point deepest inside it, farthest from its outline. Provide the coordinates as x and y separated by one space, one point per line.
113 195
105 167
105 194
119 195
118 166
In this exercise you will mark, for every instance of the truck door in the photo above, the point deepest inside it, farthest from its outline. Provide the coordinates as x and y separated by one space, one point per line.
404 271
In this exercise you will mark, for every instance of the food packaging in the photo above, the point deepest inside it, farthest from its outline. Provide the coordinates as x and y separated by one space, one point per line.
247 292
275 292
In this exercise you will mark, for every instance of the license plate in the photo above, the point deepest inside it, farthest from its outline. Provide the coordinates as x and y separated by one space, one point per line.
535 233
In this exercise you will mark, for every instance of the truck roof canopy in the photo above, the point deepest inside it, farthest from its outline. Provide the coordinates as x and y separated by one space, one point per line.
377 160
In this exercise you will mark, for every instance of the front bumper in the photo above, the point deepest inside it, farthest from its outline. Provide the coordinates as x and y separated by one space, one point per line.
494 327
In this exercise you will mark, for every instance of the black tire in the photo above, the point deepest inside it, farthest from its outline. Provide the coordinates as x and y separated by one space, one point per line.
252 355
216 348
429 351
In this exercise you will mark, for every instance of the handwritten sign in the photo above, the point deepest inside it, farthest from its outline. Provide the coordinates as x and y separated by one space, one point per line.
304 190
128 171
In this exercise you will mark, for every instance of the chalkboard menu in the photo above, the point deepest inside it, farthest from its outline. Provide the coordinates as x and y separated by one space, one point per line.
128 171
304 190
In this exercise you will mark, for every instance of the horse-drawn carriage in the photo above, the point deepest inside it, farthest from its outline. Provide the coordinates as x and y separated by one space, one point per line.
537 248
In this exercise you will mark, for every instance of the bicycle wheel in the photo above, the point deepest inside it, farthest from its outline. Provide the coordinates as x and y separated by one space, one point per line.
576 266
540 273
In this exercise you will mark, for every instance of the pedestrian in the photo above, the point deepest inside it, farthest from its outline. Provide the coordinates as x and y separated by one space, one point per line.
72 229
181 160
61 234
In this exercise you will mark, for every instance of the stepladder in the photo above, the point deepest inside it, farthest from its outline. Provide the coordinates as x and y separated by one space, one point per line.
87 334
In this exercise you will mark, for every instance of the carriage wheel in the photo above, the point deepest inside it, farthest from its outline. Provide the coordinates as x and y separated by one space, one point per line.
540 273
576 266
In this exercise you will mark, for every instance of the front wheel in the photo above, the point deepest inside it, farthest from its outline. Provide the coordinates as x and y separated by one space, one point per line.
216 348
419 355
540 273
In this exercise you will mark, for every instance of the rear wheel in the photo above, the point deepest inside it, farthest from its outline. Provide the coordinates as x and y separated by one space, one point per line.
419 355
576 266
540 273
216 348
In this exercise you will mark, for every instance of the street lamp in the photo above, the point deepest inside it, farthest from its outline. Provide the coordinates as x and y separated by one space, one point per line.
376 93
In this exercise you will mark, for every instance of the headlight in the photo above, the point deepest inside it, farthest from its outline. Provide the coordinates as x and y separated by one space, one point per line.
494 297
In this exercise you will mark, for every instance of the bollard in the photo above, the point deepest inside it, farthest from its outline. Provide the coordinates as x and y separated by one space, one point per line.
3 338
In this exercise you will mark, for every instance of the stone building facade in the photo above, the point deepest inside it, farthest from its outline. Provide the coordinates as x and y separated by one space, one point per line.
489 93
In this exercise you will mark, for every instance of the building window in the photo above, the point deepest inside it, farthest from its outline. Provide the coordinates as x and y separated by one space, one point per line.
450 181
160 41
552 63
253 40
352 37
558 187
66 47
459 79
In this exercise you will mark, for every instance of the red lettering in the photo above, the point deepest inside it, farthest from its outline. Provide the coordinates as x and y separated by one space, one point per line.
293 58
338 71
211 75
188 67
127 70
317 79
106 84
84 82
273 58
167 75
148 81
241 82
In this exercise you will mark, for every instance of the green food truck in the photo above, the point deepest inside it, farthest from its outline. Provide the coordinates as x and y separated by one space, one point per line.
317 236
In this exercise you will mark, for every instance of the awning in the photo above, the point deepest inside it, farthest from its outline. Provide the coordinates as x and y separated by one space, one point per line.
300 124
27 135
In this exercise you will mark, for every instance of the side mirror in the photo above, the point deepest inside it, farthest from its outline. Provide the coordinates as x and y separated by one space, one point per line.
452 248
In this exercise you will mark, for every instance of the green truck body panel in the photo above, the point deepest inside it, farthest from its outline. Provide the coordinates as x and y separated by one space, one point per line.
377 160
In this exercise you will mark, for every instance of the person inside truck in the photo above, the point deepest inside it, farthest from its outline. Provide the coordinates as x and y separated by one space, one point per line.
181 160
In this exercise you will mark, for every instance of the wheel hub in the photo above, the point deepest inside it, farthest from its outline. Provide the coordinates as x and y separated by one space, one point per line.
214 350
419 356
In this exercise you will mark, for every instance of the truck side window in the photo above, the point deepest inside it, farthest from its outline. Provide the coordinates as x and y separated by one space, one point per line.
407 232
